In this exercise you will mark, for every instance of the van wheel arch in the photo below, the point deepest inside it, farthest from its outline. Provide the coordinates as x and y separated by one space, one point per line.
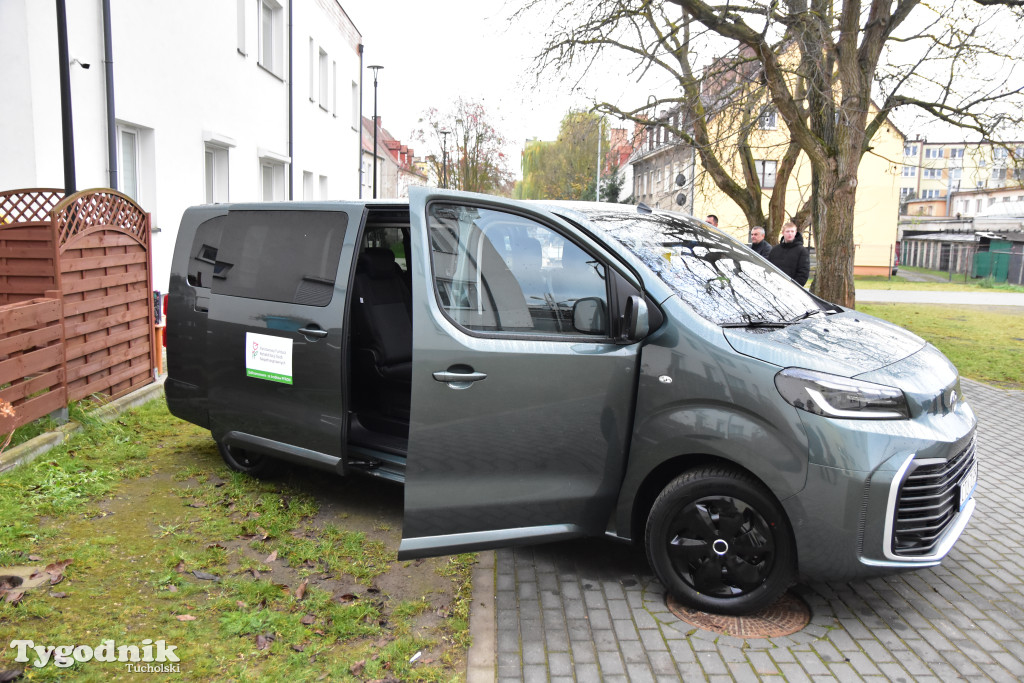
662 475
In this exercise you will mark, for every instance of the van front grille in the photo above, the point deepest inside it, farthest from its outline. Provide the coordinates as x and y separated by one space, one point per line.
928 502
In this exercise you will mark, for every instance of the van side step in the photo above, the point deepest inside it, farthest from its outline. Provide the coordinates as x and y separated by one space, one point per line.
376 463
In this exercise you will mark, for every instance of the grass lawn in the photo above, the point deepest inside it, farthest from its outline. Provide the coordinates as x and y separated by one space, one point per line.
985 343
284 580
956 285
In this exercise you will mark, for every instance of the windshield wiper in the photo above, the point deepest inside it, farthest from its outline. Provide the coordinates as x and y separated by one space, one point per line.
757 323
805 315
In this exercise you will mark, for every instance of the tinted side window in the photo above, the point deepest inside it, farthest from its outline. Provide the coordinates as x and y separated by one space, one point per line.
202 265
288 256
499 272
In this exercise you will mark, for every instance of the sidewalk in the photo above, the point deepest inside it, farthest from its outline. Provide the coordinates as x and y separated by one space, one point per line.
591 610
957 298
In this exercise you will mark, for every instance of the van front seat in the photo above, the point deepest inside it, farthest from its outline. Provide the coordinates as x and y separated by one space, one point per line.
383 318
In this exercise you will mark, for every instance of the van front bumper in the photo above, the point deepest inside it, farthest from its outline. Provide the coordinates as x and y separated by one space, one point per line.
907 513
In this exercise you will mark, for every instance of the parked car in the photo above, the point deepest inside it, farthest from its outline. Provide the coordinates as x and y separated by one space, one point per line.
542 371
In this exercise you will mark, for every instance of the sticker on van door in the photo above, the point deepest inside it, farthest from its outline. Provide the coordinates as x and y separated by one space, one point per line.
268 358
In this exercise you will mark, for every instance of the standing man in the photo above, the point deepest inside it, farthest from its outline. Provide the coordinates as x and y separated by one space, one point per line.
712 219
790 256
757 242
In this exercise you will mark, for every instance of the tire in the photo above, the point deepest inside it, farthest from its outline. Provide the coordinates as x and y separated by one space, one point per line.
243 460
720 542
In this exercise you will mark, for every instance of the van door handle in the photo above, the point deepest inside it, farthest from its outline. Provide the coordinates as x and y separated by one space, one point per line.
313 331
459 380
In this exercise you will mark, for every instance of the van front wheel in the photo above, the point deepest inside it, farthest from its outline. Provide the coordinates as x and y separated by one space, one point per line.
243 460
720 542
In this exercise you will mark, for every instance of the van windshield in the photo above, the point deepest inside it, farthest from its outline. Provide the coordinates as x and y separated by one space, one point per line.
720 278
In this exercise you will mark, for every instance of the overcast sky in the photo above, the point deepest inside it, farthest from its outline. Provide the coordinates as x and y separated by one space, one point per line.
433 53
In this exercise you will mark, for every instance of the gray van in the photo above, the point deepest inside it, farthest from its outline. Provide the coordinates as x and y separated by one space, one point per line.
542 371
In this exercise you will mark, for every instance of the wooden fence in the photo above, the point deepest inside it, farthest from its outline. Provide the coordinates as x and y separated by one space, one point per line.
78 268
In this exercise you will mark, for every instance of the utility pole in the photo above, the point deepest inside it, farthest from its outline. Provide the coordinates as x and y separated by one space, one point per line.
375 68
597 192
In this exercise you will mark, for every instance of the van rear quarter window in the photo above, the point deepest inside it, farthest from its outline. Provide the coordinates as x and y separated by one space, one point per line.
286 256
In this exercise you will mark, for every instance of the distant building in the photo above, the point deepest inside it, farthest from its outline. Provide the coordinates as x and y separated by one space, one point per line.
936 170
255 100
396 170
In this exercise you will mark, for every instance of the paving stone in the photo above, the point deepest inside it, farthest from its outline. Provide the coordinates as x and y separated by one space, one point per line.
611 663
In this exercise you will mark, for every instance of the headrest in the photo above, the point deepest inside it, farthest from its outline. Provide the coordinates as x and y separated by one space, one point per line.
377 262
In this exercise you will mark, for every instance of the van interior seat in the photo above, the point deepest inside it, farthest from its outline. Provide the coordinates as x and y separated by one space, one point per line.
383 314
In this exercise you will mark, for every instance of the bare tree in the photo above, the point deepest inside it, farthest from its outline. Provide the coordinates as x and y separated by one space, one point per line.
820 65
471 154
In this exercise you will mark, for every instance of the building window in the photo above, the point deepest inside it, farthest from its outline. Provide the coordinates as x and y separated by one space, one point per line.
355 106
324 81
271 48
910 150
668 179
931 194
272 180
323 187
933 153
999 153
766 173
955 173
909 171
334 87
998 174
905 192
216 174
307 186
312 71
956 153
128 154
931 173
241 26
768 120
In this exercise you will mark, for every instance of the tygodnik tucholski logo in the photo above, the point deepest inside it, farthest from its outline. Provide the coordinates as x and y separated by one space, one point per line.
146 657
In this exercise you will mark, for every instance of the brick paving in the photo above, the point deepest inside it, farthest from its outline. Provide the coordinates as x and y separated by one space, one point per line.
591 610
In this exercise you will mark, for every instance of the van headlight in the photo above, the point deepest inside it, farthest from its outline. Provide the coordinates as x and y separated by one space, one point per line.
842 397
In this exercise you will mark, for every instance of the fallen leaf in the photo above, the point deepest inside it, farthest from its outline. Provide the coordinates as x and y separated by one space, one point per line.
261 642
197 504
204 576
255 574
308 620
301 590
241 605
10 675
373 589
55 579
216 545
56 594
14 597
185 617
172 588
299 648
35 558
319 632
357 668
180 567
345 597
57 567
270 558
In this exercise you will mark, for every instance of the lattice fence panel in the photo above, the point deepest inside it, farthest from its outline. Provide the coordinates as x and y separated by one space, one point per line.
31 360
106 284
28 254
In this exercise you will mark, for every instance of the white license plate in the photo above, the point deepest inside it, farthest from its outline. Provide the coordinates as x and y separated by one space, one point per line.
968 483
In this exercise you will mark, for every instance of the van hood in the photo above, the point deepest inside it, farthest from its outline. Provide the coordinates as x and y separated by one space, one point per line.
848 343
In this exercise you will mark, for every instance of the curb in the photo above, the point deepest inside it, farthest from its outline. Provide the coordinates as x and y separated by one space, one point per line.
33 448
481 660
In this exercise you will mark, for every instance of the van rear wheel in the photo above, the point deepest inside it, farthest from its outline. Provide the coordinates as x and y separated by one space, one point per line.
720 542
244 460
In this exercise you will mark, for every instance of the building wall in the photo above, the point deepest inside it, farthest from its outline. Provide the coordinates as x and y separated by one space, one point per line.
187 80
935 169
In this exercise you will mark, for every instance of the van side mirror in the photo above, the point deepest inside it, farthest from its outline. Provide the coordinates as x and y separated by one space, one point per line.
589 316
636 323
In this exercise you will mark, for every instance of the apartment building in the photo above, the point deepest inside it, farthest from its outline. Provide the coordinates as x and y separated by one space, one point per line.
935 170
250 100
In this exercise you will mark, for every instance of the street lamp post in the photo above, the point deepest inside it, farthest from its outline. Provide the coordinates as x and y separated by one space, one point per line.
375 68
444 158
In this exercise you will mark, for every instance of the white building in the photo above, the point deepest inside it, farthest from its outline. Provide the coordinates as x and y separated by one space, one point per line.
252 100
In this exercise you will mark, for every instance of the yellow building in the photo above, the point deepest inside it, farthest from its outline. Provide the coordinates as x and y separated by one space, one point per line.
878 191
935 170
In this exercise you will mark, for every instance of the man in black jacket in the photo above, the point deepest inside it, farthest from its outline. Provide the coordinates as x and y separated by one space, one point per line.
790 255
757 242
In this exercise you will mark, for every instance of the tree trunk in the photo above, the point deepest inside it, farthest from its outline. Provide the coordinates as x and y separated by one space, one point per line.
833 279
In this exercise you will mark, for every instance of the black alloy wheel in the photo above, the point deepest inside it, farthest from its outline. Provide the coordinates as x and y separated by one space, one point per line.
720 542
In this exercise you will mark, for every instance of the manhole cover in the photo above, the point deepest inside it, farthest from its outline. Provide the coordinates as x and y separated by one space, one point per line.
788 615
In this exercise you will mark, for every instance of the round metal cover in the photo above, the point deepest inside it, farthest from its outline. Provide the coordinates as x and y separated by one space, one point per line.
788 615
